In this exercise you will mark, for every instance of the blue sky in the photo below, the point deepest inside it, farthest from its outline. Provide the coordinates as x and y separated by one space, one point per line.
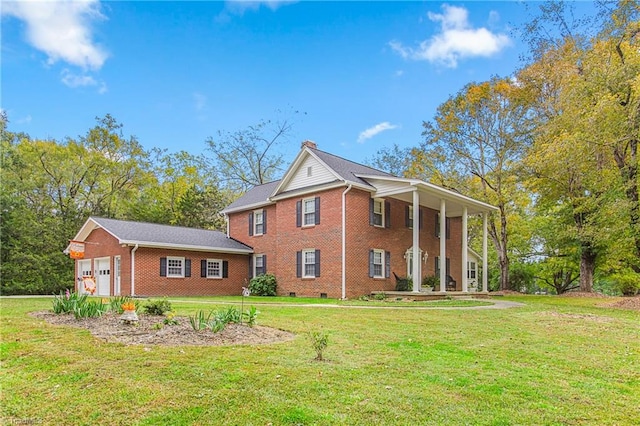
364 75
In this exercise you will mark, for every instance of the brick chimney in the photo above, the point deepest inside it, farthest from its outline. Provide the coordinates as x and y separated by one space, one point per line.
310 144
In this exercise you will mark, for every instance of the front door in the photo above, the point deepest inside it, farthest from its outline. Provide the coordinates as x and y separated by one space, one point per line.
83 270
103 276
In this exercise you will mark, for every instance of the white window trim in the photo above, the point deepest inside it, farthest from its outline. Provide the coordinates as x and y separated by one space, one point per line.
382 262
216 277
181 259
470 269
255 222
255 264
381 201
304 263
304 211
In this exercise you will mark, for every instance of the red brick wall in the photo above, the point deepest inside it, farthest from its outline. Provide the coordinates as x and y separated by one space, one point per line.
262 244
148 281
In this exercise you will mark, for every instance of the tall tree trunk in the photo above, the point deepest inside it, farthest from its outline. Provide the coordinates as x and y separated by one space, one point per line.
587 267
503 260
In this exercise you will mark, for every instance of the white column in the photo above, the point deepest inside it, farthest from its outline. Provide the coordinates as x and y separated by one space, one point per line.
484 253
443 246
465 287
416 272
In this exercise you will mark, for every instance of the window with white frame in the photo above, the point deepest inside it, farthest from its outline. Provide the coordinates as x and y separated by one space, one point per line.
410 219
378 263
471 270
258 222
259 265
378 212
175 267
214 268
308 263
309 208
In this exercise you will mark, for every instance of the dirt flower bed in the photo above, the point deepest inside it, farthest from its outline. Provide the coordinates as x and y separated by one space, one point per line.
110 328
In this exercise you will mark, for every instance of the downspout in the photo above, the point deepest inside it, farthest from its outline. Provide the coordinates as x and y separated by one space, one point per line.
344 241
133 270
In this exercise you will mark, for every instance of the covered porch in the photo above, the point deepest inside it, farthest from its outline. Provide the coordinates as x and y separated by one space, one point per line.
448 204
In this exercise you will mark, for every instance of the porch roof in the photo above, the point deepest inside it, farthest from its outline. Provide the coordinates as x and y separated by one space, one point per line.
429 195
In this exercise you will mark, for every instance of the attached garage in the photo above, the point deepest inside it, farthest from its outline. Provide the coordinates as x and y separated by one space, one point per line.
117 257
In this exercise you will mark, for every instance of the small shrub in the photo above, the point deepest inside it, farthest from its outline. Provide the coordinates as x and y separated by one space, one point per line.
364 298
89 309
199 321
430 281
229 315
157 307
319 342
263 285
379 296
404 284
157 326
628 283
170 318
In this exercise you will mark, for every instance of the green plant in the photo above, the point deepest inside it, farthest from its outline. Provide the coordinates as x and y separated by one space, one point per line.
199 321
404 284
628 283
319 342
116 302
263 285
229 315
379 296
65 302
89 309
430 281
170 318
157 307
250 316
157 326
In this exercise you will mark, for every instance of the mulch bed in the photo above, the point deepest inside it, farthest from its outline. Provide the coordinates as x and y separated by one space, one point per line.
110 328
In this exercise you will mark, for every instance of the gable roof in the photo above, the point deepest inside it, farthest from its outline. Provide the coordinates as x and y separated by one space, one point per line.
348 170
163 236
256 197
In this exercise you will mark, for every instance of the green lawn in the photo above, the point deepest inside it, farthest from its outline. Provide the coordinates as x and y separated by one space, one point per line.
561 361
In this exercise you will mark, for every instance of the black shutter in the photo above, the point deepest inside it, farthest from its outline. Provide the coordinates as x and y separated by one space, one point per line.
317 262
317 210
387 214
371 273
187 267
420 218
299 214
264 263
436 267
407 219
163 266
448 267
387 261
264 221
203 268
299 264
251 224
448 226
371 216
250 266
225 269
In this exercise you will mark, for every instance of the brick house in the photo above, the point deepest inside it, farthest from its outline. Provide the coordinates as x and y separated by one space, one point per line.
145 259
331 227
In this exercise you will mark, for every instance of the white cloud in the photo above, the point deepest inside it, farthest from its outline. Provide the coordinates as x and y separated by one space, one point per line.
24 120
238 7
372 131
455 41
61 29
81 80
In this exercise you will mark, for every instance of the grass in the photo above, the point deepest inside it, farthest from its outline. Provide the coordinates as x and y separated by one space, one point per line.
557 361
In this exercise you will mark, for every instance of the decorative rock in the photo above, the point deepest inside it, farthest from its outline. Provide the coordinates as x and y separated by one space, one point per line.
129 317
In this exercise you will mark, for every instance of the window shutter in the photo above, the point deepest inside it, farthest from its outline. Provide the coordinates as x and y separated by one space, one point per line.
387 261
251 224
299 264
371 218
264 263
317 210
448 226
420 218
387 214
203 268
436 266
225 269
250 266
264 221
371 264
448 267
317 262
163 266
407 219
299 214
187 267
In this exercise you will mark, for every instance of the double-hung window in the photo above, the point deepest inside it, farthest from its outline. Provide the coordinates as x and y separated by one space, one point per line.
214 268
309 263
471 270
175 267
378 263
259 265
378 212
309 206
258 222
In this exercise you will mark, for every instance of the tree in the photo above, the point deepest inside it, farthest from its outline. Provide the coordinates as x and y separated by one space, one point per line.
246 158
475 143
394 160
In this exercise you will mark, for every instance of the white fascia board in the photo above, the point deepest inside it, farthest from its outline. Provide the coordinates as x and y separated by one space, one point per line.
150 244
454 196
312 190
291 171
247 207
